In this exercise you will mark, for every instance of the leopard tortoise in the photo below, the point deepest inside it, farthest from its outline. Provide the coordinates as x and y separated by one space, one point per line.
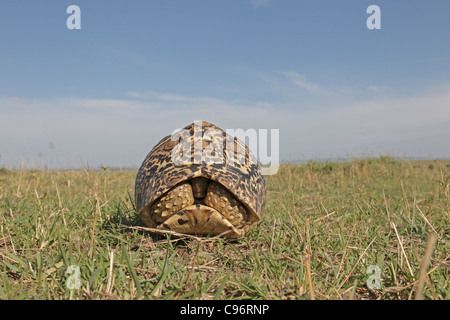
193 182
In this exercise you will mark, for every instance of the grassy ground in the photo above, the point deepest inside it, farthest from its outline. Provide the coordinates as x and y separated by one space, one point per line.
350 230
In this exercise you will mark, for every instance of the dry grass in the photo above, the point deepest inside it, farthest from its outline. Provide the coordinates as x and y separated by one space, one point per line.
325 224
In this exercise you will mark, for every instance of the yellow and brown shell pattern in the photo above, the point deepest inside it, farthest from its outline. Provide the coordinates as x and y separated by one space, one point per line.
201 181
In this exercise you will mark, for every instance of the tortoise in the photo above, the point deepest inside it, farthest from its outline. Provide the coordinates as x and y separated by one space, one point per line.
190 184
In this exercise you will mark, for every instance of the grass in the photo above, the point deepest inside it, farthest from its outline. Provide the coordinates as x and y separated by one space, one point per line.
326 224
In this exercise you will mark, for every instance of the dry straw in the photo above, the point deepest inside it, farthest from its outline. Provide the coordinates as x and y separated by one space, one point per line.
424 265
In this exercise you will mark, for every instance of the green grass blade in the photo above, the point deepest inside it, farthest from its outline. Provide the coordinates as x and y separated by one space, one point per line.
136 280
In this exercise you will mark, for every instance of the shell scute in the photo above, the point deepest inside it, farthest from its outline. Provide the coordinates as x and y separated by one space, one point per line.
242 177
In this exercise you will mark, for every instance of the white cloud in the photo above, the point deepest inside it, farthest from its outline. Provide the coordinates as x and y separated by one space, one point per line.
174 99
302 82
300 87
122 132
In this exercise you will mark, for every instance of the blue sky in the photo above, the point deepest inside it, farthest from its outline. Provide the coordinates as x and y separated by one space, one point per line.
137 70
